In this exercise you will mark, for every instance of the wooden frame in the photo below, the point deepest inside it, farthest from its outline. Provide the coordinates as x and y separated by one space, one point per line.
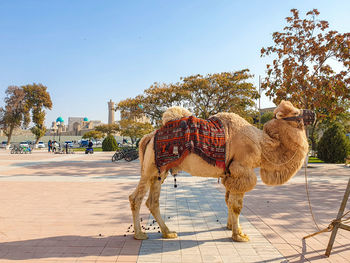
337 223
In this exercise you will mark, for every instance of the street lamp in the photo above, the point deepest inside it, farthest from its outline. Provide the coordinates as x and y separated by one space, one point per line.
60 124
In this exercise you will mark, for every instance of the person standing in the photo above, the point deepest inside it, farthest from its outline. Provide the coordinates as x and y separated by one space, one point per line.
49 145
54 146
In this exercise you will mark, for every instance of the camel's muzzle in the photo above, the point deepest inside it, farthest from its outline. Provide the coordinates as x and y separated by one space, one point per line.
307 116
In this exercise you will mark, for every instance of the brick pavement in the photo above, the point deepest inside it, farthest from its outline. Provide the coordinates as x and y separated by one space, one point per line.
196 209
282 213
75 208
66 208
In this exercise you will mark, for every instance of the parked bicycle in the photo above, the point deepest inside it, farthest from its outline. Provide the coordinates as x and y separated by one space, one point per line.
26 150
127 153
17 149
131 155
63 150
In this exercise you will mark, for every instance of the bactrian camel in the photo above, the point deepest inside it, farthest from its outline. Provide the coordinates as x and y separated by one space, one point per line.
279 150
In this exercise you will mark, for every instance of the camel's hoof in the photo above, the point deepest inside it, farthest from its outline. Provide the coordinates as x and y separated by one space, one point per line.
141 236
240 237
229 226
170 234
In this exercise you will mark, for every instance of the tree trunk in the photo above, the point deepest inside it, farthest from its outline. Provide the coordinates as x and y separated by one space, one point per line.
313 138
9 135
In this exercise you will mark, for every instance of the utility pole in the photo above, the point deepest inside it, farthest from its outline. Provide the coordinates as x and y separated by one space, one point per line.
259 100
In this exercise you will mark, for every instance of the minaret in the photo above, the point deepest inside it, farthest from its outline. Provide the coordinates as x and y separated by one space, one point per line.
111 112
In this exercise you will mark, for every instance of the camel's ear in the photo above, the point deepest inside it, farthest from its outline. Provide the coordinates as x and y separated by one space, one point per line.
279 115
278 112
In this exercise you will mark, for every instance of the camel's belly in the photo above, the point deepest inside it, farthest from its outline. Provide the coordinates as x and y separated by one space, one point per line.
196 166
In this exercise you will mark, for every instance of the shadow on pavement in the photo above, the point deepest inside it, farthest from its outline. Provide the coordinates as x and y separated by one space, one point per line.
69 246
87 246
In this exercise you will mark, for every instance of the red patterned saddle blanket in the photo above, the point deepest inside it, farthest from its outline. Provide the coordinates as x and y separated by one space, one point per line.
176 139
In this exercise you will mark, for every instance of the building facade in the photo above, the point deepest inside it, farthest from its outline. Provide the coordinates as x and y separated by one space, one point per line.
77 126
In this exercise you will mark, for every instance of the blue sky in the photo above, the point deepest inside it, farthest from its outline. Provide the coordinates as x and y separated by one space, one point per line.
87 52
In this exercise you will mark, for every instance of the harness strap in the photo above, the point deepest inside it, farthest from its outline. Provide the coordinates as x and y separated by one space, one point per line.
296 118
227 168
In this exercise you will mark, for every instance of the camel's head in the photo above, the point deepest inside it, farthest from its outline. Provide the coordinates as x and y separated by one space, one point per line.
286 111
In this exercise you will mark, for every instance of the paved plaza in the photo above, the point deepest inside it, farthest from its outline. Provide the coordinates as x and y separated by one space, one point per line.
74 208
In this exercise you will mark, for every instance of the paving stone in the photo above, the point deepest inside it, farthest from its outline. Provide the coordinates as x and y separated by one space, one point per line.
189 258
204 238
67 209
231 259
171 258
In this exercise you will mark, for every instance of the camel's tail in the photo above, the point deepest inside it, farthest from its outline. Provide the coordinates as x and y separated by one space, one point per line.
142 147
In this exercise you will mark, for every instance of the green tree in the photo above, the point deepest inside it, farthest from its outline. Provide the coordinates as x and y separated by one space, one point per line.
342 118
301 71
133 129
334 146
15 113
203 95
266 117
93 135
38 131
213 93
109 143
152 103
107 129
37 99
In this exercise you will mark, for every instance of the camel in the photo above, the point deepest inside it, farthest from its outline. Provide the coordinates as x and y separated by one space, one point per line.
279 150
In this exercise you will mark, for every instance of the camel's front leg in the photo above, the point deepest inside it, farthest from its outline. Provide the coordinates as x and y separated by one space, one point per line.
240 180
235 204
153 205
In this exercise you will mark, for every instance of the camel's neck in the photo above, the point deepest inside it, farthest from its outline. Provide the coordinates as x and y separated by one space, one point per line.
284 148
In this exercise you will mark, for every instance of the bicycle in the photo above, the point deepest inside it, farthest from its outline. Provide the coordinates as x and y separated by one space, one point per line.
26 150
132 155
59 150
127 153
118 155
16 150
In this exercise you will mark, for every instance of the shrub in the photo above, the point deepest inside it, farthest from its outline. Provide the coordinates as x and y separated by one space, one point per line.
109 144
266 117
333 146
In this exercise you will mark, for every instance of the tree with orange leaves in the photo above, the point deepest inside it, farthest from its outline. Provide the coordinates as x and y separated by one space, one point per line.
306 55
202 95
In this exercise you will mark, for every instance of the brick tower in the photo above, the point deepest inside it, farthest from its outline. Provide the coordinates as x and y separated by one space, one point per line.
110 112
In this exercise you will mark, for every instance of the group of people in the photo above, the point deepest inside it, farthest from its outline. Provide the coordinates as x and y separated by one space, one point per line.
52 146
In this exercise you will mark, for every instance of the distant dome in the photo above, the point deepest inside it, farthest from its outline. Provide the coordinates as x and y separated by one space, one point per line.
86 119
59 119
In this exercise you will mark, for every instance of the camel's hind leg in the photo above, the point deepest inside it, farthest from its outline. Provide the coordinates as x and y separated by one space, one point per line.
153 205
146 155
135 202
